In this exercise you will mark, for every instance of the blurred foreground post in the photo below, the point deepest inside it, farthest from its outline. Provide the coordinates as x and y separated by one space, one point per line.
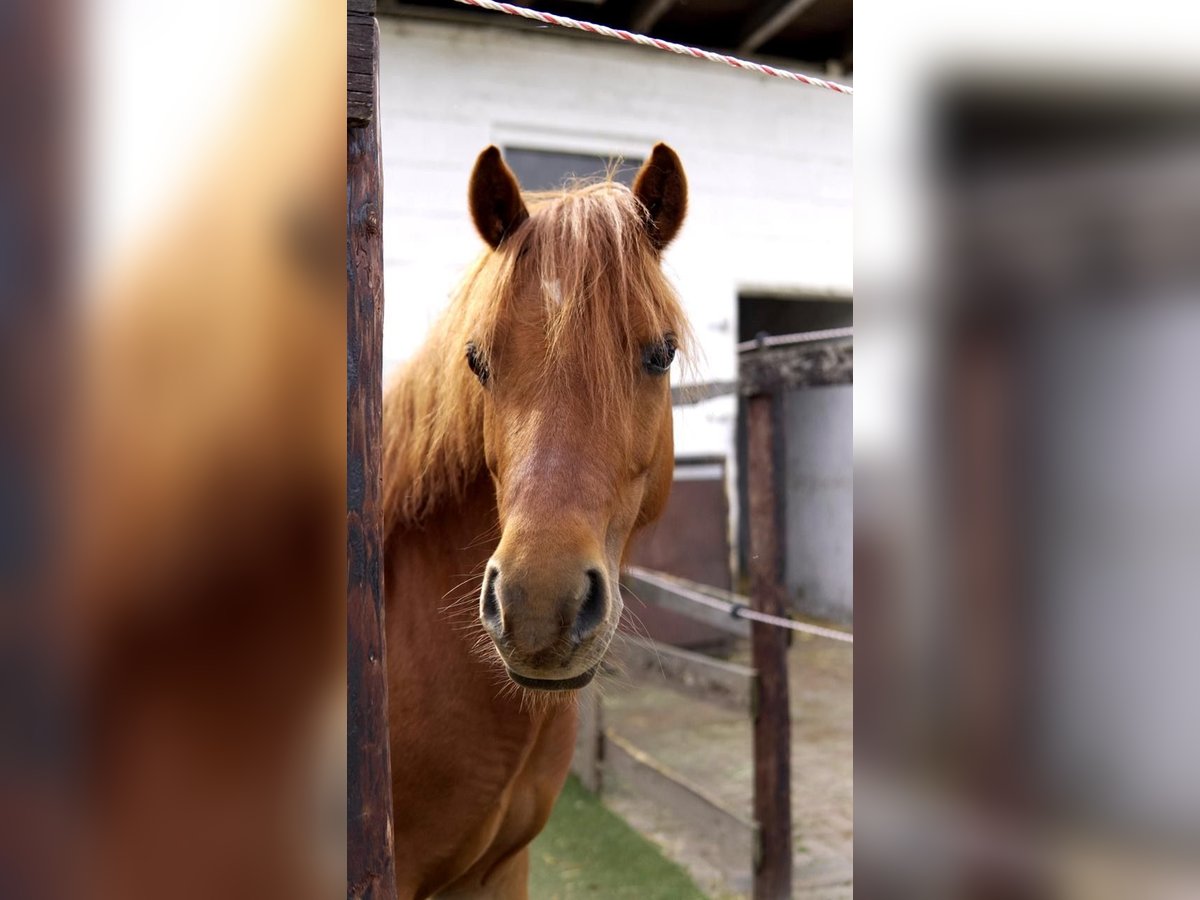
772 719
370 869
36 707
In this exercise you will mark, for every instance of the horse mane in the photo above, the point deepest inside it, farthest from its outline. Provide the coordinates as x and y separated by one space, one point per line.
585 254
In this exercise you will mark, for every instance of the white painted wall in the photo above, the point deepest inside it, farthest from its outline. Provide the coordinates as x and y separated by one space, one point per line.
819 483
768 163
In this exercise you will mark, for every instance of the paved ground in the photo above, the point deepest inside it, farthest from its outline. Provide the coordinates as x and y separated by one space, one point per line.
711 746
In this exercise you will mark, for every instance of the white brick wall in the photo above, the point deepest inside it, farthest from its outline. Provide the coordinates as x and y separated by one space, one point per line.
768 163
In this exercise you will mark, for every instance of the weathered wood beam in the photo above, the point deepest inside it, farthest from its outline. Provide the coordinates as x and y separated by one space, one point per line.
776 369
362 51
370 866
770 20
646 13
712 680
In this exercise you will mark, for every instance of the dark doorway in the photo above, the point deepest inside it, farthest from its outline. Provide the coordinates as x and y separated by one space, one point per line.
775 315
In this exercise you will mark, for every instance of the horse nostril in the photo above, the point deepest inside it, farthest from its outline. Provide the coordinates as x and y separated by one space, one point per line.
591 611
489 608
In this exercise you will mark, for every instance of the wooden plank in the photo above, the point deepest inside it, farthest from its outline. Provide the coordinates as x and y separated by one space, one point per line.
370 867
658 593
712 680
362 52
359 44
360 83
589 739
357 100
639 773
772 722
359 65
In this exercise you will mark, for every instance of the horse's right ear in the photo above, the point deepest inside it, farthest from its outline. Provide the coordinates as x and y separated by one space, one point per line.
661 187
496 204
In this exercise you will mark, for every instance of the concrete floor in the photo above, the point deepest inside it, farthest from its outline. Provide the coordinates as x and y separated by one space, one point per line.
711 746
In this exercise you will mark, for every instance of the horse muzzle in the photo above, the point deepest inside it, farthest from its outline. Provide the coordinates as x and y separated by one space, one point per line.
551 634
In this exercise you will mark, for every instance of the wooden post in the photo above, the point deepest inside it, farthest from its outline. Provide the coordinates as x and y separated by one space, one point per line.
370 866
772 720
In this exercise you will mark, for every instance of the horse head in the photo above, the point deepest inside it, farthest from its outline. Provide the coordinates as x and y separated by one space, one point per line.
571 344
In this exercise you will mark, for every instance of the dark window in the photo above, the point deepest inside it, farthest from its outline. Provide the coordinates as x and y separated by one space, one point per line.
549 170
787 315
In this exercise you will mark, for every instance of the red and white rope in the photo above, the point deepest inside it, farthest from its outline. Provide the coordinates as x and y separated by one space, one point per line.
669 46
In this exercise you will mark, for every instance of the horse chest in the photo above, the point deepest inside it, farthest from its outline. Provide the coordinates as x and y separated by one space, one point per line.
460 815
516 791
475 770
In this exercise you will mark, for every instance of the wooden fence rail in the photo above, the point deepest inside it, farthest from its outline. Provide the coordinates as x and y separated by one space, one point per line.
712 680
604 758
642 774
762 691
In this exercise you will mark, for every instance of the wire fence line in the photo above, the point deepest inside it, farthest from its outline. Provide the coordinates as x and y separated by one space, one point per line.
737 609
800 337
669 46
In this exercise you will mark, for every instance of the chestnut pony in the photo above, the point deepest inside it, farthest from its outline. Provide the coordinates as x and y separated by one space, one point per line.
524 445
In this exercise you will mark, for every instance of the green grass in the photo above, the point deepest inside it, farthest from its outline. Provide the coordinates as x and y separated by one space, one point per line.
586 851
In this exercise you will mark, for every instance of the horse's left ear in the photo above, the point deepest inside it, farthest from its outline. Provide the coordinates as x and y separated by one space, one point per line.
662 188
496 204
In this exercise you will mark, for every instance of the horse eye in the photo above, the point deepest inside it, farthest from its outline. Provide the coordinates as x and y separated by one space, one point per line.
657 358
477 364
